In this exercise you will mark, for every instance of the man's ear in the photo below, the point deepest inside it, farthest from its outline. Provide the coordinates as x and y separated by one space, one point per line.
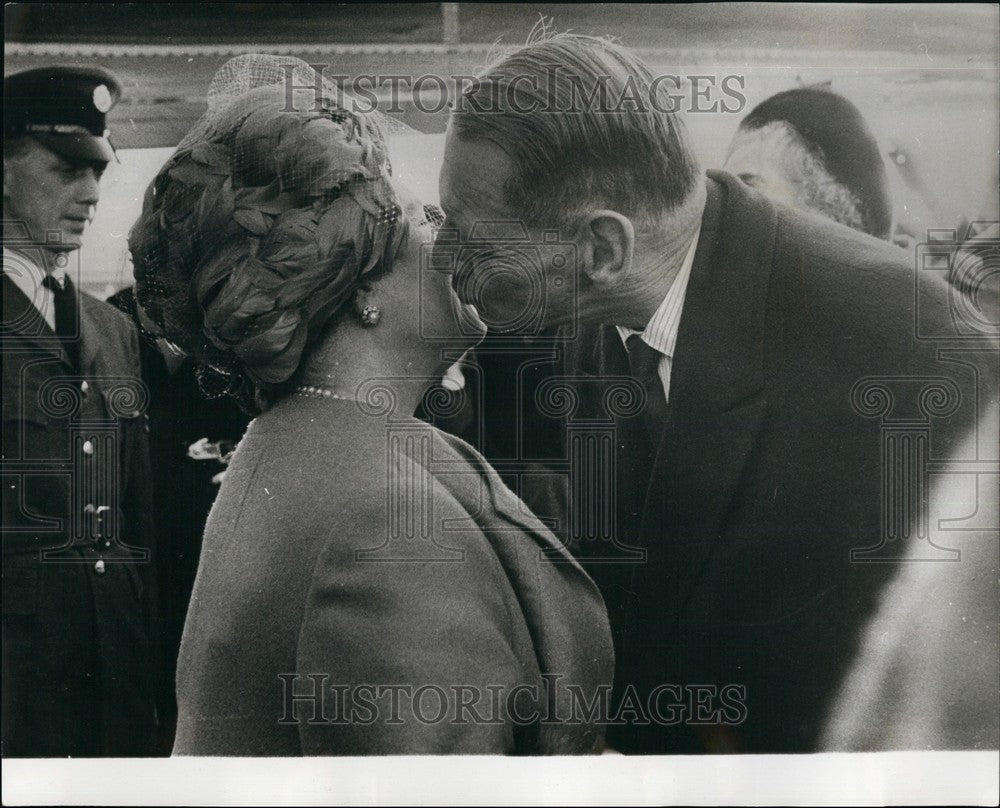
607 241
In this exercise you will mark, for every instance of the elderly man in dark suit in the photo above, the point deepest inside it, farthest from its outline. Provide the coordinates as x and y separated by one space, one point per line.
752 396
78 656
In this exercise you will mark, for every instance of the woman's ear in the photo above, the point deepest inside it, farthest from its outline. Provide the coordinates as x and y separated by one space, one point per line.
608 240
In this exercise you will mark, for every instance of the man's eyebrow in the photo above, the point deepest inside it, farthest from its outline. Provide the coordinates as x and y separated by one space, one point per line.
68 164
65 163
56 160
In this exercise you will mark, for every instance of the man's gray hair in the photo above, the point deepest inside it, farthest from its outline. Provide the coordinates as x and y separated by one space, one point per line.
587 125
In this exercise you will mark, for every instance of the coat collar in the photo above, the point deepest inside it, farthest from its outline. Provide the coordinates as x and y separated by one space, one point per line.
718 357
508 506
21 318
90 332
719 360
717 401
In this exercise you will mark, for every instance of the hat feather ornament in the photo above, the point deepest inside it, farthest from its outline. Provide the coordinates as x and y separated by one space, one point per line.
265 220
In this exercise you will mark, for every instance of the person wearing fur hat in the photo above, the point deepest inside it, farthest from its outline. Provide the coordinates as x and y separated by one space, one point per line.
811 148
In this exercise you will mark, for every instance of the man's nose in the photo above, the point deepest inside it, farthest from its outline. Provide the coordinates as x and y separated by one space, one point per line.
89 187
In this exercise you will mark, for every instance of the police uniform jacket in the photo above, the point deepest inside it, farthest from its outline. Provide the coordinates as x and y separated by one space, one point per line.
78 590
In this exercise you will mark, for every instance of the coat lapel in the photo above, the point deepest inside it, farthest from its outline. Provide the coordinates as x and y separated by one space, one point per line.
23 320
505 504
717 399
90 333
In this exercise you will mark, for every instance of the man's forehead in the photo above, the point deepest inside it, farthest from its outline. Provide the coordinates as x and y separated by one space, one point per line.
53 159
474 176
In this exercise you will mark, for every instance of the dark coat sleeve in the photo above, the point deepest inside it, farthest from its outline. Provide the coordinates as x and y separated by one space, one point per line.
137 500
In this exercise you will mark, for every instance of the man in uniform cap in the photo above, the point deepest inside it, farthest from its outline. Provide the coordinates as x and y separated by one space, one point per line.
78 591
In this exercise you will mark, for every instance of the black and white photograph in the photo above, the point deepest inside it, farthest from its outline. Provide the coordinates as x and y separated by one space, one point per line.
501 404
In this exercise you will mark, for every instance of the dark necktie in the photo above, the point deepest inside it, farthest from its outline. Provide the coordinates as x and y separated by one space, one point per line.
644 362
67 318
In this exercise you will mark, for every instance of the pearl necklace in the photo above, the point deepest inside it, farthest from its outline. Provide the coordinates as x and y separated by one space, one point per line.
313 391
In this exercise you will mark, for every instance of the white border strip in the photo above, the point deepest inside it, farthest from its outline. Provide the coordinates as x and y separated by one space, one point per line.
889 778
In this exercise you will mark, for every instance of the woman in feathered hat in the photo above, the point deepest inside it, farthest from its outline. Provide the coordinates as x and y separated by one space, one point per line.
367 585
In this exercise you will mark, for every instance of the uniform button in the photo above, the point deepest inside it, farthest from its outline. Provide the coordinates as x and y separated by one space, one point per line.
99 567
88 447
84 387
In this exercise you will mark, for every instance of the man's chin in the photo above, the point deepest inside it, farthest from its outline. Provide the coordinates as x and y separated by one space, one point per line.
526 322
68 244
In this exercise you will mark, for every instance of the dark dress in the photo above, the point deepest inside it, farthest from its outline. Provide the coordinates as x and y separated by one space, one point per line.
183 489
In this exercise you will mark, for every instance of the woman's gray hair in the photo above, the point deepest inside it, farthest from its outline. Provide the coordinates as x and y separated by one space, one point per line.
586 124
814 186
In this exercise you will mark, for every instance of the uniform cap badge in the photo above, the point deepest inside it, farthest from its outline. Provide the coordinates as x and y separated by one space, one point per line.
102 98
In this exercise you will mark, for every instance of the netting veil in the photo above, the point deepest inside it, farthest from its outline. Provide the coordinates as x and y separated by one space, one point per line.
272 211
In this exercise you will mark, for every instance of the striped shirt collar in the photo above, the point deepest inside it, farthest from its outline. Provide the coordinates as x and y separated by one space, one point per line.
661 330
